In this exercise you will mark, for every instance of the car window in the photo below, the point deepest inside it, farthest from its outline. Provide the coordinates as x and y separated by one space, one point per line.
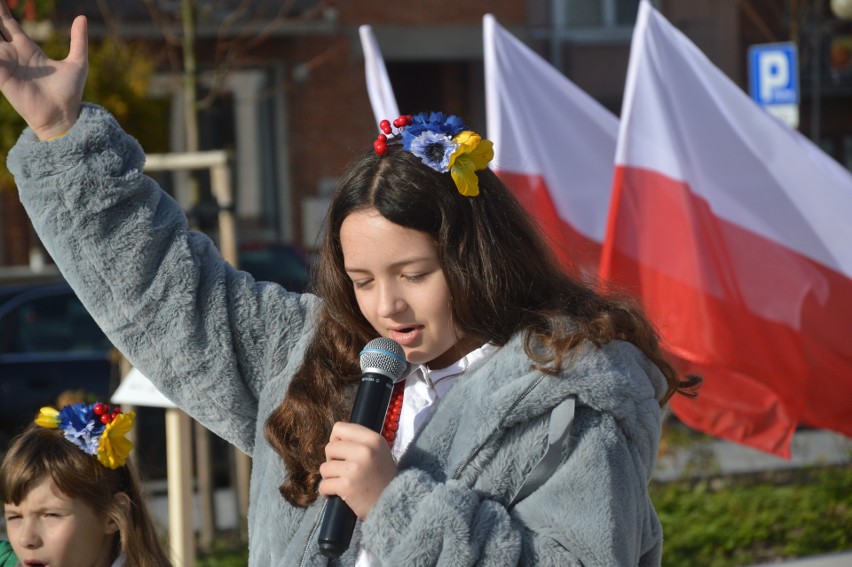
57 323
275 263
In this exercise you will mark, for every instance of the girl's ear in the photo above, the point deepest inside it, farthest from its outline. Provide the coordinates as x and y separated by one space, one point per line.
121 501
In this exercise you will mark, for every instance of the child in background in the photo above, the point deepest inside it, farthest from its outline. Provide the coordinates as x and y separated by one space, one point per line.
71 498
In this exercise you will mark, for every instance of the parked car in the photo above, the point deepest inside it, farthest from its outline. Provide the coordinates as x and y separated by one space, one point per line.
272 261
49 344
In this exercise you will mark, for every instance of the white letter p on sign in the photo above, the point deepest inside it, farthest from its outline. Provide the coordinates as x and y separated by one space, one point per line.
774 73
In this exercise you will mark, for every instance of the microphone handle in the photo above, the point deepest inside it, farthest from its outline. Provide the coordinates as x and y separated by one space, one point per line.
369 409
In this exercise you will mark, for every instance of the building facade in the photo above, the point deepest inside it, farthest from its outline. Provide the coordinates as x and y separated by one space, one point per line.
292 107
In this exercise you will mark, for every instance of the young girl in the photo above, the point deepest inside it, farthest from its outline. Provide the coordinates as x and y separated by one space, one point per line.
524 430
70 495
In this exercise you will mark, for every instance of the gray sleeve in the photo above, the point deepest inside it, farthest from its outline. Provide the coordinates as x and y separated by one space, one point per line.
594 510
207 335
420 520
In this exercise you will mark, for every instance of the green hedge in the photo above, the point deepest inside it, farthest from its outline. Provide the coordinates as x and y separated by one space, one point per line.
228 551
734 521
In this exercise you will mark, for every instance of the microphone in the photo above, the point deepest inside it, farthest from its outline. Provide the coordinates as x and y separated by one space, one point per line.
382 362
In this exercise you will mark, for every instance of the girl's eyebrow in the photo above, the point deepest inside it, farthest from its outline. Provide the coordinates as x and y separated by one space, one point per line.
395 265
45 508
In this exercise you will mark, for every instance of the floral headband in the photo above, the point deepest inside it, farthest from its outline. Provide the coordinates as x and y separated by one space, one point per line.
444 144
97 429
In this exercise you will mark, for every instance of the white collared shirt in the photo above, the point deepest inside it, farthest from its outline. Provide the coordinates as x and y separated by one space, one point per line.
424 388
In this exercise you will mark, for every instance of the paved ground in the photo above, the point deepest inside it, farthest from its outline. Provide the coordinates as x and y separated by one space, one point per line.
814 447
833 560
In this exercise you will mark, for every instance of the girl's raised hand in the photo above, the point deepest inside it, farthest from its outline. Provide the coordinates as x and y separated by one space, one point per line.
358 468
46 93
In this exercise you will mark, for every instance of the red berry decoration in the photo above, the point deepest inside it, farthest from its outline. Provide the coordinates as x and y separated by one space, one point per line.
383 138
391 424
106 419
399 122
380 147
385 126
100 409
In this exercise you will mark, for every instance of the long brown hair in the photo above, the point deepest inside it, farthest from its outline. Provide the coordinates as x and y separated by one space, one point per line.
40 453
503 278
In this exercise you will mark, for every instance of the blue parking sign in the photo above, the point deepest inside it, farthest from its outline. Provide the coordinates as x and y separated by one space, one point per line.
774 74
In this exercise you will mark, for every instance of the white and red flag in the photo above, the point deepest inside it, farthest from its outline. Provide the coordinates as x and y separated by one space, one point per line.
554 145
735 232
379 87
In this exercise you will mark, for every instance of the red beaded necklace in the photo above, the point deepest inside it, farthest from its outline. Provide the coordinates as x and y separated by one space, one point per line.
391 424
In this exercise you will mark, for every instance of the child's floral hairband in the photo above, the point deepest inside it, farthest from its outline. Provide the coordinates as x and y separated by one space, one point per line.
97 429
443 143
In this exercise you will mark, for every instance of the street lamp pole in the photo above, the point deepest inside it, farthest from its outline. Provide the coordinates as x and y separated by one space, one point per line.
816 43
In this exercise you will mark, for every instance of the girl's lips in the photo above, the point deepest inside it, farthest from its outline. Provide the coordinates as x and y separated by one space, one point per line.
406 335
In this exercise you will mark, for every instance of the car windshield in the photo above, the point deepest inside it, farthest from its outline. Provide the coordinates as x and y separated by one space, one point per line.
51 324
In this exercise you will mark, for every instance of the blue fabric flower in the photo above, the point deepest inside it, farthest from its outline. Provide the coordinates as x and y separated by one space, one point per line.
84 438
434 150
76 416
81 426
437 122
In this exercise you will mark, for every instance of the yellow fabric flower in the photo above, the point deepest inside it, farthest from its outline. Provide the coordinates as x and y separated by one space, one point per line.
48 417
114 448
473 154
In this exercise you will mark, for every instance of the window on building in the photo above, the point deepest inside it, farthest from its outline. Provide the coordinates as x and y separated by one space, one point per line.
559 28
597 13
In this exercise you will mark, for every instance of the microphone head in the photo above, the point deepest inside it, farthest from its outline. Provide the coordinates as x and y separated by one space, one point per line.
383 356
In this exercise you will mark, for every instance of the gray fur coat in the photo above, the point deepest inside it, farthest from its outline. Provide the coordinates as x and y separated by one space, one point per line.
224 347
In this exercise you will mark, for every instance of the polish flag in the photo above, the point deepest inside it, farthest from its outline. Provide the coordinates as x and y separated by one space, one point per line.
735 232
379 87
554 146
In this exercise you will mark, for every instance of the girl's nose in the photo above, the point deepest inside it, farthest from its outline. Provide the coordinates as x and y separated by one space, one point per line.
390 301
28 535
